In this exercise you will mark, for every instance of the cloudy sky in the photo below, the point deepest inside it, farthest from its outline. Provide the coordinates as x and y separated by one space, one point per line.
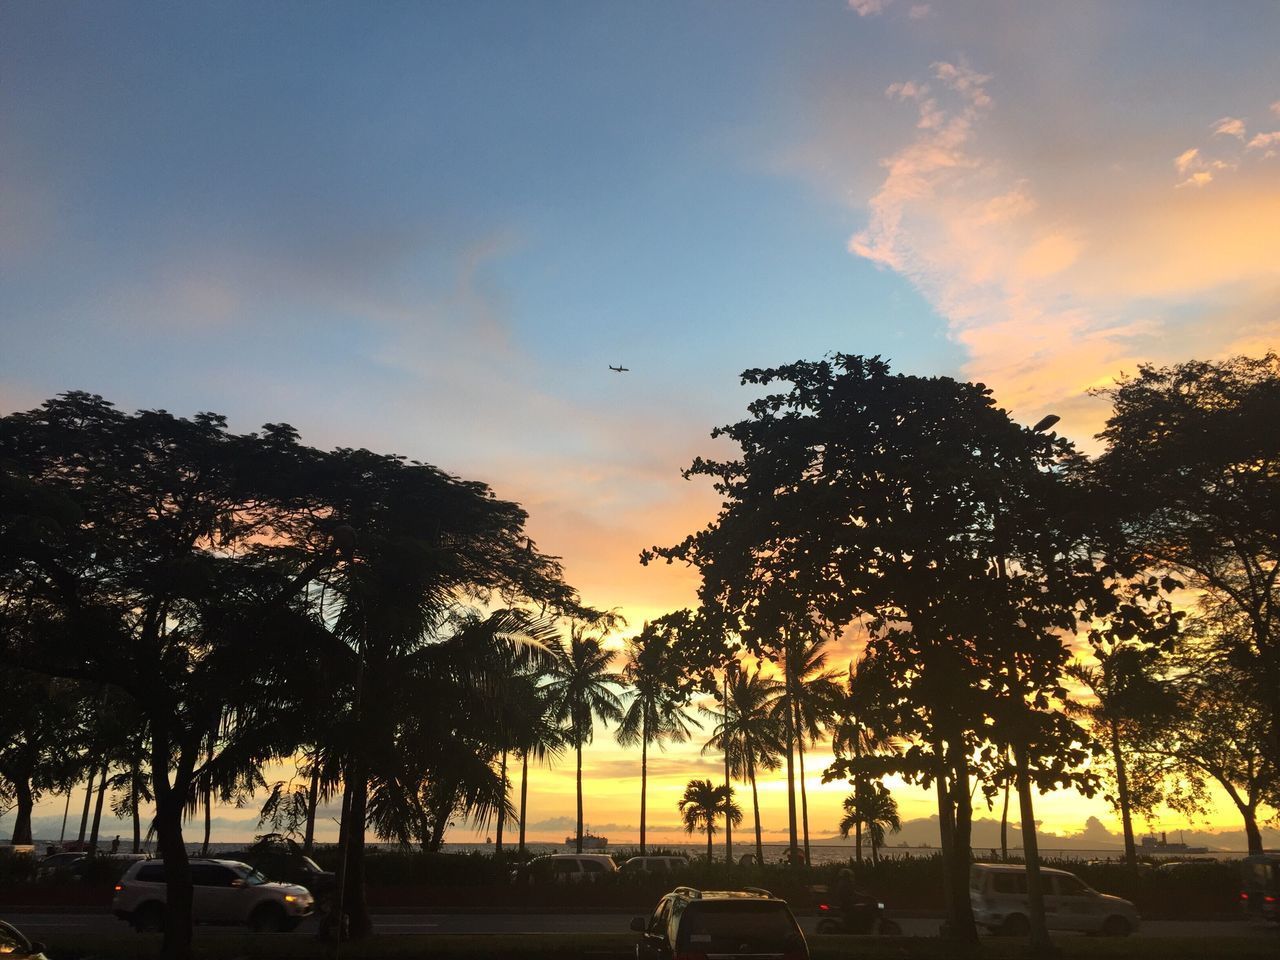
428 228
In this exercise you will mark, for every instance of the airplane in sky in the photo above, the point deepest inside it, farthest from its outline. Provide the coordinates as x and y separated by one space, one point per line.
619 369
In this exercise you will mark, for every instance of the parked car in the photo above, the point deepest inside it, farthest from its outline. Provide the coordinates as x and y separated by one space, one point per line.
998 894
1260 886
14 946
56 865
226 892
655 864
279 858
726 924
564 868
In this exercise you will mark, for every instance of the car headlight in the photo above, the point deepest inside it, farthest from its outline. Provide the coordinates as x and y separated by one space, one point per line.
289 898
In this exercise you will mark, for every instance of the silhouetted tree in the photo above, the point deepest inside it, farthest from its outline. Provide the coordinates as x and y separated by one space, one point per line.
1192 470
703 804
870 806
920 506
657 698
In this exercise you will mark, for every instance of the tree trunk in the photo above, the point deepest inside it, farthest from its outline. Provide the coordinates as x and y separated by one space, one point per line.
356 906
946 836
208 821
711 819
88 799
644 777
1040 942
25 804
1251 831
728 780
857 836
502 807
791 778
97 812
960 805
579 845
875 847
66 811
524 795
135 803
170 800
755 806
804 796
1004 827
313 801
1122 788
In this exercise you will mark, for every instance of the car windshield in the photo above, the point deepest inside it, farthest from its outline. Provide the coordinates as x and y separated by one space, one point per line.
252 877
738 926
311 865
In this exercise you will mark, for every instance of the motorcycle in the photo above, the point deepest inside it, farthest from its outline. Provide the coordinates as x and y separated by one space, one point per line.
866 916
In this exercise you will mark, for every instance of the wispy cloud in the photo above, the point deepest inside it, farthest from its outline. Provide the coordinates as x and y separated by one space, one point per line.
1049 293
1229 127
869 8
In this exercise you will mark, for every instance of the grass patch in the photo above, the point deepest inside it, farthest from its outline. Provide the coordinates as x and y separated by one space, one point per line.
559 946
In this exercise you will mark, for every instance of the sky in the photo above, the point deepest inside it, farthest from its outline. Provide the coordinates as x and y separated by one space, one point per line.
428 229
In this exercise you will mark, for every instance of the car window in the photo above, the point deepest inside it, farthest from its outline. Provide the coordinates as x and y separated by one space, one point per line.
211 875
250 876
738 926
564 866
592 866
151 873
1009 883
1070 886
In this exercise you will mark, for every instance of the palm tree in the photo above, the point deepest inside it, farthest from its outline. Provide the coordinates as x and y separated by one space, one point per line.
852 736
750 733
656 711
873 808
581 685
703 804
810 690
541 738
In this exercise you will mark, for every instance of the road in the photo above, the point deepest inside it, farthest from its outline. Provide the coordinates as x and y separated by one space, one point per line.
38 925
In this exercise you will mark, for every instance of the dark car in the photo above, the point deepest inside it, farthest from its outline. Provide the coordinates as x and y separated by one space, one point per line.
281 859
1260 886
690 924
14 945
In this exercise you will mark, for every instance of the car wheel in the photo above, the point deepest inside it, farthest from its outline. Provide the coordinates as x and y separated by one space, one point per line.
1015 925
1116 927
149 918
828 926
890 928
268 918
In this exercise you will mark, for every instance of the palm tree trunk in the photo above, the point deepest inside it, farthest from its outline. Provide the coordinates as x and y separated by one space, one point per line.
857 836
791 788
524 794
875 847
313 800
502 807
804 796
579 745
755 805
97 811
88 799
644 777
66 811
208 821
728 782
711 821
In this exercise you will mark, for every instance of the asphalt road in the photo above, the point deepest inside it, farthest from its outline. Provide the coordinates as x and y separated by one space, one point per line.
41 925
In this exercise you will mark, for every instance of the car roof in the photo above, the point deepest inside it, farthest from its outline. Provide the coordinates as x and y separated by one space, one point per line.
195 860
747 893
1018 868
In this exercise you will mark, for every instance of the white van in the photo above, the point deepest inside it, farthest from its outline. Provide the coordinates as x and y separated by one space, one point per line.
998 894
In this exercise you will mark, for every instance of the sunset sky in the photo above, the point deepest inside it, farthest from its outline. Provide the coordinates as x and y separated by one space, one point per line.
429 228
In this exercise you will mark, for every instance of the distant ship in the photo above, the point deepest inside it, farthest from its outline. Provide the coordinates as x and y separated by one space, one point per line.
589 841
1162 845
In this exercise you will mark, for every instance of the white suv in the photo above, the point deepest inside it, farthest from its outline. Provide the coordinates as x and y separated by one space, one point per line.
224 892
998 894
